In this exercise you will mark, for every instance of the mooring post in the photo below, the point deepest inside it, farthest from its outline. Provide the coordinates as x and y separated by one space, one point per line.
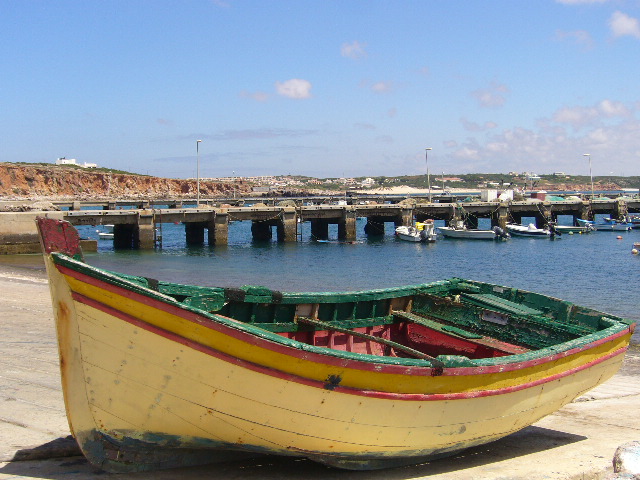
145 234
405 218
347 225
287 225
585 212
500 217
621 209
218 228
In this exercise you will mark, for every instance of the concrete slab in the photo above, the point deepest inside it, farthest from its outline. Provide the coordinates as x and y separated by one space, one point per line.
578 442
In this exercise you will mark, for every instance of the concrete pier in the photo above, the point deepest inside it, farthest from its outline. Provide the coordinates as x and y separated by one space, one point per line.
137 228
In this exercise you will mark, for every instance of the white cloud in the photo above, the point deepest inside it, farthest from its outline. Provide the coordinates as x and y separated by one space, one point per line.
294 88
613 109
492 96
466 153
476 127
382 87
580 116
609 130
622 24
354 49
577 117
579 37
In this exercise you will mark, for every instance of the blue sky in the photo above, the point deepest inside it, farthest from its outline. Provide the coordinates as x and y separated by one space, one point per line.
322 88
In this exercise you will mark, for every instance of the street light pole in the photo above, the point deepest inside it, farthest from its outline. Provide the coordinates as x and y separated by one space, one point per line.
198 173
426 158
590 174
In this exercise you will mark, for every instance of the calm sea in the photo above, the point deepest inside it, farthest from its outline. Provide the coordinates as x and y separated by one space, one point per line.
595 270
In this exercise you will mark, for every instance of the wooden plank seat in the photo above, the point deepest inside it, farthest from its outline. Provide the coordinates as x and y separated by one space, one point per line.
460 341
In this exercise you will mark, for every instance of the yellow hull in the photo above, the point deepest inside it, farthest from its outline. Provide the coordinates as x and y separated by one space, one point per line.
140 378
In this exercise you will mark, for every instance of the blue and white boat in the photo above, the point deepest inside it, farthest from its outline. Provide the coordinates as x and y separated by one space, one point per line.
606 225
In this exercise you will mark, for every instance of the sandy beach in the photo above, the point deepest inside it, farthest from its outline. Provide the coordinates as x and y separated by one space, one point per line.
576 442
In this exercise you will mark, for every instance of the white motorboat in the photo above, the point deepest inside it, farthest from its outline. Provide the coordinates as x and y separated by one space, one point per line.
106 233
528 230
460 231
421 232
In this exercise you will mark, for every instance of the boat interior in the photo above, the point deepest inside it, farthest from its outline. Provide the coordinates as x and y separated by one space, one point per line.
453 317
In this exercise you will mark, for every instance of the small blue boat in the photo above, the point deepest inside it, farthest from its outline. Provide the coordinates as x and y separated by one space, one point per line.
607 225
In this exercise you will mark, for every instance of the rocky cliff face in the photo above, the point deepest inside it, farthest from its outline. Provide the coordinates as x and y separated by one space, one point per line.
18 182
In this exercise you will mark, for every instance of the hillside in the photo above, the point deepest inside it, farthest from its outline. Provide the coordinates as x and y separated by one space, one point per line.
44 182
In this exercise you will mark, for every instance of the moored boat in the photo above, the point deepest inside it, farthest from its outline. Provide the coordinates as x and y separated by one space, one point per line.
106 233
606 225
633 220
157 374
529 230
460 231
573 228
421 232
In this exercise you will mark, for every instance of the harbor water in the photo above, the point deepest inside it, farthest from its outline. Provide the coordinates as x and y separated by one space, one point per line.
596 270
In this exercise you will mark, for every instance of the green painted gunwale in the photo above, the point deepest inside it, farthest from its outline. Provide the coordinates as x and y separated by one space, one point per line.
140 285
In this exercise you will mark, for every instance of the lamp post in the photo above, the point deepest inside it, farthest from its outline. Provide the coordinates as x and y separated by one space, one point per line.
198 173
590 174
426 159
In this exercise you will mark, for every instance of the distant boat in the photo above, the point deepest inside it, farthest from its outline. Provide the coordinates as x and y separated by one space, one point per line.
461 231
572 228
159 375
421 232
606 225
528 230
633 220
106 233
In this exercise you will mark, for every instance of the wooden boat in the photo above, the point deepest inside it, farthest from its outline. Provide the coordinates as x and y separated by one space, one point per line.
528 230
421 232
473 233
159 375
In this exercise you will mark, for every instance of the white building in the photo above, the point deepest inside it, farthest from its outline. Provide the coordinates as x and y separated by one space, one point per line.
73 161
66 161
